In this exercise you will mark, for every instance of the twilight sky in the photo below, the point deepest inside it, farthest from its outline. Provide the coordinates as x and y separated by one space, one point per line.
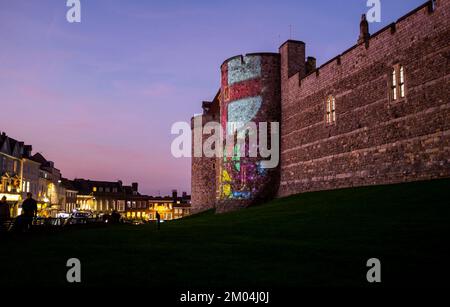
99 97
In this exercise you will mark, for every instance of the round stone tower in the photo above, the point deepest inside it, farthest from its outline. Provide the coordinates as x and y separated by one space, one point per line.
250 95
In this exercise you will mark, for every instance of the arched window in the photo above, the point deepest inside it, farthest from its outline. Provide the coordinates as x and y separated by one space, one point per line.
397 82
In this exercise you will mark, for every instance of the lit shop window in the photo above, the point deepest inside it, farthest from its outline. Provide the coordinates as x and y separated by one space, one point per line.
331 110
397 82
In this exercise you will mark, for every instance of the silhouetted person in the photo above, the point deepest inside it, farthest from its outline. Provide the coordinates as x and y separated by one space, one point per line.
29 209
115 217
158 220
4 212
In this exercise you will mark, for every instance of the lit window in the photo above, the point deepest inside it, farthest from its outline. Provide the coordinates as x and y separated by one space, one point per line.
402 82
397 82
394 85
331 110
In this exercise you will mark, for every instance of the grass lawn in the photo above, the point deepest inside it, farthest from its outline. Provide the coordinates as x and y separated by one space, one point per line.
312 239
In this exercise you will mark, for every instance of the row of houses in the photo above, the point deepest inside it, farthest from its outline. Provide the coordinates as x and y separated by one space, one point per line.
22 172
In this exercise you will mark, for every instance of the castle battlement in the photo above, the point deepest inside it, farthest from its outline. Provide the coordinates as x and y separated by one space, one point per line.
378 113
422 16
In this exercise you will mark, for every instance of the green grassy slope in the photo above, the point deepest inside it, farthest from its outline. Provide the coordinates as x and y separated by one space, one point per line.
312 239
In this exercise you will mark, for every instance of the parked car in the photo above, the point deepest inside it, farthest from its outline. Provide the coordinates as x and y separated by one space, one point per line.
63 215
137 222
80 217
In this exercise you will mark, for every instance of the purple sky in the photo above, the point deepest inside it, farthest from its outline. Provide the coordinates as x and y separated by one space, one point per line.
99 97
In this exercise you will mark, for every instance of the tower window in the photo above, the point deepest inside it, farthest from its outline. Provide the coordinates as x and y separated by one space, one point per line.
331 110
397 82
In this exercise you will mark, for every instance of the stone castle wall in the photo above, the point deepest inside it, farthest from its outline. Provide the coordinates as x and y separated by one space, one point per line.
203 178
374 138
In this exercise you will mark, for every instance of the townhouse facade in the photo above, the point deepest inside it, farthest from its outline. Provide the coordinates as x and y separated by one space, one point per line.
21 173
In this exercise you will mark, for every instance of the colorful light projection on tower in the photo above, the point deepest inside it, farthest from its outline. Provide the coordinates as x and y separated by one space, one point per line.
244 100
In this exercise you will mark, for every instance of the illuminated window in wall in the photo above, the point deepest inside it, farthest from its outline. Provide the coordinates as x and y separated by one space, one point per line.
331 110
397 82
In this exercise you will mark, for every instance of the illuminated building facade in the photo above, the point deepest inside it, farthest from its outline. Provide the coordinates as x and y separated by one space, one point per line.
169 208
30 180
378 113
70 201
22 173
51 192
11 167
102 196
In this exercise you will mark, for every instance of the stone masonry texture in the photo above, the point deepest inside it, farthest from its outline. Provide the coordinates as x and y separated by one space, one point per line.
375 139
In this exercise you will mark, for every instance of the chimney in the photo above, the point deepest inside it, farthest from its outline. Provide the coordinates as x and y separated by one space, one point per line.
174 195
134 186
310 65
364 34
27 151
292 59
